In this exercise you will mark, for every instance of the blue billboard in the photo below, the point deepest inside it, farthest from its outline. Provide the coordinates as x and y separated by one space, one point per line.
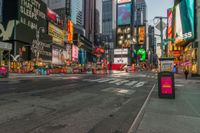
124 14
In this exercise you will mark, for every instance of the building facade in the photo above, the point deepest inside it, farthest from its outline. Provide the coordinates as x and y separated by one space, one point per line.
89 19
141 12
198 34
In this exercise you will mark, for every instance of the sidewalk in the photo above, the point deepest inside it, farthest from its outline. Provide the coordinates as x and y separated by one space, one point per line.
181 115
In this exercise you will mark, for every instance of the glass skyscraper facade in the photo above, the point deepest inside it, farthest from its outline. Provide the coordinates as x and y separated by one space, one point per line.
77 12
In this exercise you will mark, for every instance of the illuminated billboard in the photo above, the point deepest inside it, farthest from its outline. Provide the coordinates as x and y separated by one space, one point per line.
70 27
141 32
185 20
124 14
123 1
56 33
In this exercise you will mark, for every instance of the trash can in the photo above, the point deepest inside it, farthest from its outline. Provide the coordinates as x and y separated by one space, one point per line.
166 87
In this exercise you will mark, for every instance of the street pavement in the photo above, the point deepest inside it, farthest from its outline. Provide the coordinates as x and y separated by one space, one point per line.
73 103
179 115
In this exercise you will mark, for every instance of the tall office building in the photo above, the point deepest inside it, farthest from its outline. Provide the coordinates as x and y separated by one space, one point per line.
77 12
108 19
141 12
89 19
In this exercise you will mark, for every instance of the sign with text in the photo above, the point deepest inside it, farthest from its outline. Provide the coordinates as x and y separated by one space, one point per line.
166 85
122 60
56 33
120 51
32 13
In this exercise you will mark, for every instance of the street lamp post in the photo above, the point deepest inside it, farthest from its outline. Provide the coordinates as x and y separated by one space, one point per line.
37 53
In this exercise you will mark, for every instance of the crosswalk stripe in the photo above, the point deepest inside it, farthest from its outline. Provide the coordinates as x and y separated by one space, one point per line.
105 80
131 83
115 81
122 82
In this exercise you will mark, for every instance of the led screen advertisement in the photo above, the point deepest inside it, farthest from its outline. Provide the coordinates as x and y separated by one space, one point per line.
123 1
124 14
141 32
185 20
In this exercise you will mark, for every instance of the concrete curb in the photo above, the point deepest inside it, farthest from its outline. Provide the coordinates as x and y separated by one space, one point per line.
140 115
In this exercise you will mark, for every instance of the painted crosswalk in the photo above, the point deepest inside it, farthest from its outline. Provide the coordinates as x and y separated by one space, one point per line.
118 82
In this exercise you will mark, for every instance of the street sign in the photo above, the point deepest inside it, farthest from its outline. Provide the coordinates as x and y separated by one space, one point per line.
164 25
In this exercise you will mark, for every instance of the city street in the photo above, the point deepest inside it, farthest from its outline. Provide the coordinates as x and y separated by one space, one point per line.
73 103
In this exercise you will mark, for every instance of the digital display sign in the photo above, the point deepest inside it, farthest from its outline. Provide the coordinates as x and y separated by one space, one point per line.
142 34
185 20
70 27
166 85
56 33
123 1
124 14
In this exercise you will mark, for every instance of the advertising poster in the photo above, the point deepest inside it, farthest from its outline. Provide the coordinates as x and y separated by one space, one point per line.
167 65
56 33
166 85
75 50
70 32
141 32
124 14
185 20
3 71
123 1
57 56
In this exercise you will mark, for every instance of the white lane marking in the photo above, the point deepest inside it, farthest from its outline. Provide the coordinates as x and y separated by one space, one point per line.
115 81
131 83
105 80
122 82
179 85
140 84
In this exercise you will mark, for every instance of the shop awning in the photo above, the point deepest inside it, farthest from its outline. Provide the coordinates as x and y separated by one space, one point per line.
5 46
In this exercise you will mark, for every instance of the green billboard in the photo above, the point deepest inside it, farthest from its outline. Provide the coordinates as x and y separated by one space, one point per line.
185 20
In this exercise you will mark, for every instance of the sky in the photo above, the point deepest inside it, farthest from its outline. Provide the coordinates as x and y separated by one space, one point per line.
157 8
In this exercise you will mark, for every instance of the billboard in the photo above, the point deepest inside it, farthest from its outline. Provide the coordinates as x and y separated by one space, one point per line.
75 50
169 28
123 1
56 33
120 51
56 4
70 27
142 35
185 20
32 14
124 14
121 60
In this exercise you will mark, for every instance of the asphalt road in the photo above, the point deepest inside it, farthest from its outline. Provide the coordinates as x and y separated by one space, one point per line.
73 103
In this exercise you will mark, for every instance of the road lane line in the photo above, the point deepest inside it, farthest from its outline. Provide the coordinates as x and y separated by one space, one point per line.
138 119
131 83
115 81
122 82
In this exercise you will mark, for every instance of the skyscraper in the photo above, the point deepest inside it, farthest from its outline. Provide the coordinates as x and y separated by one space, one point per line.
108 22
141 12
89 19
77 12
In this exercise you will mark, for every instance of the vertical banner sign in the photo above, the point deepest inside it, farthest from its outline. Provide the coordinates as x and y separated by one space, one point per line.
124 14
169 28
185 24
70 27
141 32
